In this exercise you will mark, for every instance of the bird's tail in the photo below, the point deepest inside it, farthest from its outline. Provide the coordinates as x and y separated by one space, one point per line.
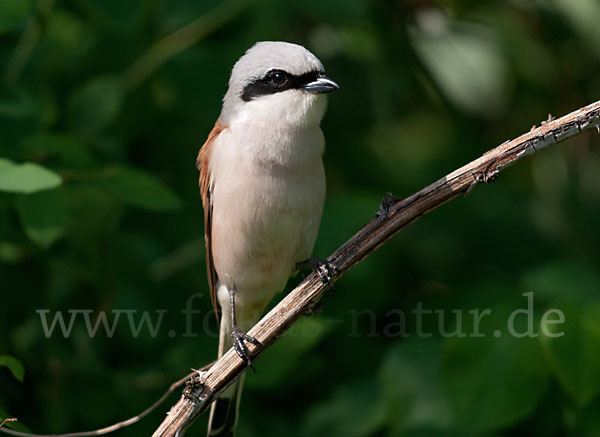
224 411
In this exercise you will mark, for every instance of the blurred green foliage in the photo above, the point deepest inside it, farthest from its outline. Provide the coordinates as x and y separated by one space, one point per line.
103 106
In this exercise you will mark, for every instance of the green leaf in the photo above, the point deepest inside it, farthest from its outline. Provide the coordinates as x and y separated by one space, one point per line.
465 61
574 357
26 178
137 188
43 215
495 380
95 104
582 15
14 365
12 13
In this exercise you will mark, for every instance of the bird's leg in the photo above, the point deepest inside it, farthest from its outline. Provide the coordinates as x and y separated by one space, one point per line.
238 336
324 269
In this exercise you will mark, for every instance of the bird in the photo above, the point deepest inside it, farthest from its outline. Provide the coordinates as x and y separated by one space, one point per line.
262 184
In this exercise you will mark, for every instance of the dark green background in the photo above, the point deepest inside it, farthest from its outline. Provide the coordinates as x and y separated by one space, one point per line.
111 100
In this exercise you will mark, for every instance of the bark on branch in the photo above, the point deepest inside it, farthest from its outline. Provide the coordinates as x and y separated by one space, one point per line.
396 215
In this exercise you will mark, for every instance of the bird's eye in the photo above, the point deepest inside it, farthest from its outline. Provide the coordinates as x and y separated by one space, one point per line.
278 78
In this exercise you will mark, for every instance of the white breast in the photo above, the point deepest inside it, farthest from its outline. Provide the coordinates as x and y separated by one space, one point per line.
268 192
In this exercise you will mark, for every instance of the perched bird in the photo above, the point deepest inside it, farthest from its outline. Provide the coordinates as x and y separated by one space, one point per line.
263 186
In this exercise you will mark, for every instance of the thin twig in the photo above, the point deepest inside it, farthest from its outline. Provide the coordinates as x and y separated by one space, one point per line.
8 419
29 38
116 426
162 50
392 217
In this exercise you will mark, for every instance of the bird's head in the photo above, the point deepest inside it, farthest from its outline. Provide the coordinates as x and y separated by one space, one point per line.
277 83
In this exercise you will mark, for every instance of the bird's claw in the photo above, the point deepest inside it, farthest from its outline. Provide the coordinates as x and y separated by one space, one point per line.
239 339
324 269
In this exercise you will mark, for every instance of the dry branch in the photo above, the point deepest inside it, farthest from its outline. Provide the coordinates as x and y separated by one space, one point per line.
206 386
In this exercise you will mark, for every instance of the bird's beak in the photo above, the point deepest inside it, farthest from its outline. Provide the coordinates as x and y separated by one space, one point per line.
321 86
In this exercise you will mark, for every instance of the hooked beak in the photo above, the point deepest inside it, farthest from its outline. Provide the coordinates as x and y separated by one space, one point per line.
321 86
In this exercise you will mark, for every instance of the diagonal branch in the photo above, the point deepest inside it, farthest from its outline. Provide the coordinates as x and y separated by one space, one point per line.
394 216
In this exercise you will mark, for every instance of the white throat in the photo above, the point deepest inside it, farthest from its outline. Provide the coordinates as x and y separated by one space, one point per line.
288 110
281 129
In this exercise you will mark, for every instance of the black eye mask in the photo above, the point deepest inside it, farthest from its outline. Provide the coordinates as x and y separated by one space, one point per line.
276 81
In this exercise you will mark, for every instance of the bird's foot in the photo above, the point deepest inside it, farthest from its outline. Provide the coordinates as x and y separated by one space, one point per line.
239 339
325 270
